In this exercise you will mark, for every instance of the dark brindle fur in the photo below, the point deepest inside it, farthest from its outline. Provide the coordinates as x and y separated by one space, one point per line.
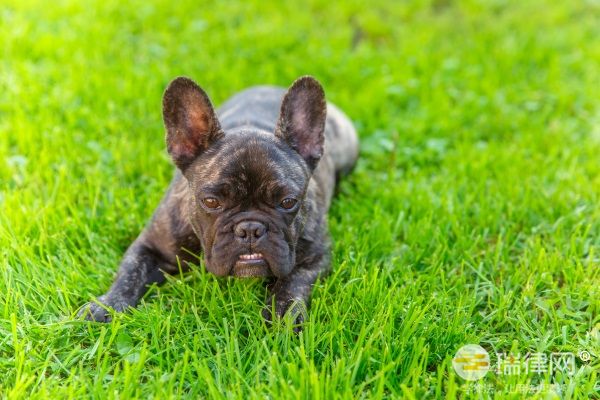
263 146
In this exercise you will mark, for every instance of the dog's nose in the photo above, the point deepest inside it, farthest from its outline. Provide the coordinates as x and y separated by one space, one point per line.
249 231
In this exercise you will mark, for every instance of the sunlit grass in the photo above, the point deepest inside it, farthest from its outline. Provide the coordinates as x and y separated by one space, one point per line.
472 217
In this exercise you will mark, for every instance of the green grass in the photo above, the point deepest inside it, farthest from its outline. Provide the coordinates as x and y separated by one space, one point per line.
472 217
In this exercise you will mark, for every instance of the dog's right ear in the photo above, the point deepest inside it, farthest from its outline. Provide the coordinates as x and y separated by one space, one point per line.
190 120
302 119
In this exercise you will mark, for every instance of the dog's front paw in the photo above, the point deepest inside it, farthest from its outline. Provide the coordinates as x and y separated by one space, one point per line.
99 311
292 311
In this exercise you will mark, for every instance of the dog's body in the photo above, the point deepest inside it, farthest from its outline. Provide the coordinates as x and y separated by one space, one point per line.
254 184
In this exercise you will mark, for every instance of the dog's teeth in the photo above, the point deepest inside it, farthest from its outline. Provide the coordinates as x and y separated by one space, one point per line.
253 256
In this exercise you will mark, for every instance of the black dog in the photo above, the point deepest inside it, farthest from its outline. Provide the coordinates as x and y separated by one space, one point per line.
252 191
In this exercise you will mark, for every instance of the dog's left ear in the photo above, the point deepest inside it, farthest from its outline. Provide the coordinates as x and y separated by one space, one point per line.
190 119
302 119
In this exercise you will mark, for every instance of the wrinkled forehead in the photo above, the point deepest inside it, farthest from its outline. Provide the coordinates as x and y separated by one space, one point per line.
250 163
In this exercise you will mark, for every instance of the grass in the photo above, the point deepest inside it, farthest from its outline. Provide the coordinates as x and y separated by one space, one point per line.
472 217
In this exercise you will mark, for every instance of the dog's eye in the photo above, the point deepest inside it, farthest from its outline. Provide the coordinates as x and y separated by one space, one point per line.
288 204
211 202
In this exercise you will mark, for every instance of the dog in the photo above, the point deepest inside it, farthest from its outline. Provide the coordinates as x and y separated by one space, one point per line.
252 188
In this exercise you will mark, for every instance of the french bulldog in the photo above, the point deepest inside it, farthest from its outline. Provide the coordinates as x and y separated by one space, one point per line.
253 184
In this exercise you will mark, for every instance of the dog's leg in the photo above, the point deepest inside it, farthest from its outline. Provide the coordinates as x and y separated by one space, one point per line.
291 294
166 242
141 267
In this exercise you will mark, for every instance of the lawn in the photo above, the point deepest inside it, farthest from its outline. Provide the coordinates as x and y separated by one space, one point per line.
473 216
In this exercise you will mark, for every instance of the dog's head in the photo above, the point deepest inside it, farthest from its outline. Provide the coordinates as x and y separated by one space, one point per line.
248 187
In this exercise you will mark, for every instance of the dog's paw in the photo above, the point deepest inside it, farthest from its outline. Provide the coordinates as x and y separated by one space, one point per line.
99 311
291 311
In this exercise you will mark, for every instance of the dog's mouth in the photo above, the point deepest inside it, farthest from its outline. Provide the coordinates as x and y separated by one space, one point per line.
251 265
252 257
